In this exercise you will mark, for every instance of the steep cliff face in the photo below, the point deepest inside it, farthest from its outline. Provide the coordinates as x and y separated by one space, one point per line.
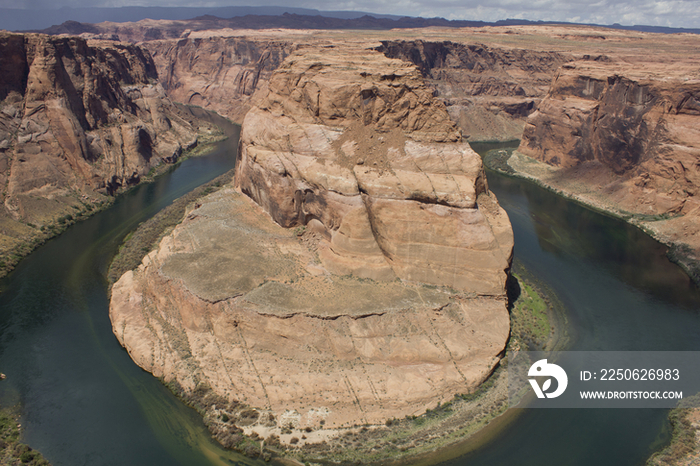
78 120
361 146
593 114
317 315
217 73
629 133
489 91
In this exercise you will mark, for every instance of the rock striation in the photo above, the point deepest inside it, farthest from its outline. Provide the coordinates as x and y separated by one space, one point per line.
218 73
359 145
489 90
79 120
356 274
625 139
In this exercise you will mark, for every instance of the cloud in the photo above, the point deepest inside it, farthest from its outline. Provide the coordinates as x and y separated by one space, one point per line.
677 13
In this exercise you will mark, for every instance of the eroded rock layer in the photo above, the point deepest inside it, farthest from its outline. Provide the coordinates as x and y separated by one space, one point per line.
375 286
217 73
489 91
356 142
233 302
79 118
625 138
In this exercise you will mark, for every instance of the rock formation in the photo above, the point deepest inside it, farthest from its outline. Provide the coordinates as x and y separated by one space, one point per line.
78 120
361 147
489 91
377 291
625 138
217 73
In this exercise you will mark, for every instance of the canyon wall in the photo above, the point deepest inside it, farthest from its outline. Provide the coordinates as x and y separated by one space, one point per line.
489 91
217 73
78 120
356 274
627 138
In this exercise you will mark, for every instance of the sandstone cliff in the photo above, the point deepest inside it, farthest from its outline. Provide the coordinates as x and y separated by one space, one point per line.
361 147
78 120
626 139
323 318
489 91
217 73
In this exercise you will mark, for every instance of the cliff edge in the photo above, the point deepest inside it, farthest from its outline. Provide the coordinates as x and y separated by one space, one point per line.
355 275
623 139
78 120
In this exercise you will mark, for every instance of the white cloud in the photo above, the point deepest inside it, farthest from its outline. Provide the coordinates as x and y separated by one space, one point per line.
677 13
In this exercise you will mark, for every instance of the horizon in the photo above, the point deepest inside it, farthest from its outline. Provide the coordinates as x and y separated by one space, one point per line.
682 14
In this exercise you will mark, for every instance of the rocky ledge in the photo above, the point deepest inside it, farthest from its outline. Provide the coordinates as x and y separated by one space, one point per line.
356 273
623 139
78 120
353 144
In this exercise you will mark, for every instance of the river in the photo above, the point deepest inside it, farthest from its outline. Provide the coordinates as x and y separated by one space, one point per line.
621 293
86 403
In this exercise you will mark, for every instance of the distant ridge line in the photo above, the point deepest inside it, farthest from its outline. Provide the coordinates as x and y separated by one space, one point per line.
79 20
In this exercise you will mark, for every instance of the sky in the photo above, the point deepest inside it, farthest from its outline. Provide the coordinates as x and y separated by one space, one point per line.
673 13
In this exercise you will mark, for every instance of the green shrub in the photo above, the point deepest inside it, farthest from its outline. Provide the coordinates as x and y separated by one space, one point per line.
27 456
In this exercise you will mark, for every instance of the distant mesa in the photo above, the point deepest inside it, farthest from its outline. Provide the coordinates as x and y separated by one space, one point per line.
261 17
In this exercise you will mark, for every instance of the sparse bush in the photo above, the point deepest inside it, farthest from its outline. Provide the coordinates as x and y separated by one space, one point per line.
251 451
140 242
27 456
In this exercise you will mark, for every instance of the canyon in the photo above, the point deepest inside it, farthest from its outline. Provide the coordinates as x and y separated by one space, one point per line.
217 73
608 132
572 94
488 89
356 191
79 121
623 139
355 152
